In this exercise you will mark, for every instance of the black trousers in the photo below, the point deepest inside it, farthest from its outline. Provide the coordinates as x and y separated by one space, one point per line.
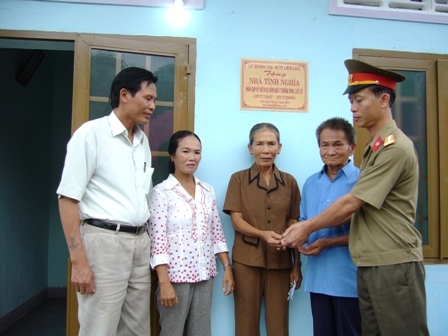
335 316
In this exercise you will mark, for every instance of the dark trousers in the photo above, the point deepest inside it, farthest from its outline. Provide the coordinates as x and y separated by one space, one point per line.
392 299
335 316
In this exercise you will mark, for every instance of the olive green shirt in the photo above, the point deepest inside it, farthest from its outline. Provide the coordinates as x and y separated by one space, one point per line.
266 208
382 231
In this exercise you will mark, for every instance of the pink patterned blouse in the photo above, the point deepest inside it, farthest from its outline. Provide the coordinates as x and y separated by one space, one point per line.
185 233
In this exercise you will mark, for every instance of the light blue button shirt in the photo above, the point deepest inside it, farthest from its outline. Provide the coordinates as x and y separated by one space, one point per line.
332 272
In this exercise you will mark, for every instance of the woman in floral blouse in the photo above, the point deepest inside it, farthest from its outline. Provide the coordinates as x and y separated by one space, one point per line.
186 234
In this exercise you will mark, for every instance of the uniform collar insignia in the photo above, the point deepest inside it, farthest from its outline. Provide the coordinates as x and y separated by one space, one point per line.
377 144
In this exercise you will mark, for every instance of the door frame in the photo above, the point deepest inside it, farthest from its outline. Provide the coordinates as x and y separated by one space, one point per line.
84 42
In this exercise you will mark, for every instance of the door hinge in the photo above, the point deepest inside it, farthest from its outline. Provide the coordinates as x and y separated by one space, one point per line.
188 69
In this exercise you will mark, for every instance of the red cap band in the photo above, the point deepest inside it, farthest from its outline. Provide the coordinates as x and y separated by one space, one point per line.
361 78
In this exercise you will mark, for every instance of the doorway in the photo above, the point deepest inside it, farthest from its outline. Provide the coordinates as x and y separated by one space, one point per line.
34 129
37 167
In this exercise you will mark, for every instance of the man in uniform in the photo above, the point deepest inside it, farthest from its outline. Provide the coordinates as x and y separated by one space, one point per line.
383 241
105 184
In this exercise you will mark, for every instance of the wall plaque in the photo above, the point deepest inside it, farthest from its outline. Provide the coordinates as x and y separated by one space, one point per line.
274 85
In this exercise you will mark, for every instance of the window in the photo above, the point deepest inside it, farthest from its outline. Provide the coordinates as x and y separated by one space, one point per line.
105 64
420 111
172 60
435 11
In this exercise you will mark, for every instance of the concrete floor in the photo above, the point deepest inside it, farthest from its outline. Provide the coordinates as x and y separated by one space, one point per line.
48 319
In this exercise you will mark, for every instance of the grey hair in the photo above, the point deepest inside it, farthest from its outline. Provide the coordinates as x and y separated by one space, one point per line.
259 127
337 124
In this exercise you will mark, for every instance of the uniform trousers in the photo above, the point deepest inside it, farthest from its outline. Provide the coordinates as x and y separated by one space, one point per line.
392 299
193 310
335 315
251 285
120 265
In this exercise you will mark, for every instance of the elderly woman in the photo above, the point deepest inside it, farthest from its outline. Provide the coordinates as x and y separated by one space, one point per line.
186 234
262 202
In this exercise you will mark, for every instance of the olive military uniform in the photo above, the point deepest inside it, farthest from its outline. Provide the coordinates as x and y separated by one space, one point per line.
384 243
382 231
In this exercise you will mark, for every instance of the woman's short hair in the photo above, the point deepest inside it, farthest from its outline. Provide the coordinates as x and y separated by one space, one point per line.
174 144
259 127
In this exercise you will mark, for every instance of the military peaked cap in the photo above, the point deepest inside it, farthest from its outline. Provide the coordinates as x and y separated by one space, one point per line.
362 75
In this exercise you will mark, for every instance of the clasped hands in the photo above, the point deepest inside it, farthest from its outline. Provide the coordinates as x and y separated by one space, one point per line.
294 237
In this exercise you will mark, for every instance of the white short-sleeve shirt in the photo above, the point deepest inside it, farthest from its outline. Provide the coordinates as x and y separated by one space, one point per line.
106 173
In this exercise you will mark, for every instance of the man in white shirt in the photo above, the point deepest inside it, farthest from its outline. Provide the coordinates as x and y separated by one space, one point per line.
105 187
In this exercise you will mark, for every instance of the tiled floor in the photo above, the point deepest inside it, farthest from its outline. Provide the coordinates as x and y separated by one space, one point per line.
48 319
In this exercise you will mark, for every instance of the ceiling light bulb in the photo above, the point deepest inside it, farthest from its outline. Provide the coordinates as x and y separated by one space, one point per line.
179 3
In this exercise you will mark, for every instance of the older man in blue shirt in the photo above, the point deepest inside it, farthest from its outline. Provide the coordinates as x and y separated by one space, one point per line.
330 274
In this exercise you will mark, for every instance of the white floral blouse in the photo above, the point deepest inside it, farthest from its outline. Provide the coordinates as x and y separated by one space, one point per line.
185 233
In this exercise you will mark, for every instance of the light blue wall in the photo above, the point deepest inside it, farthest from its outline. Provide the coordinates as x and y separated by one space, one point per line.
227 31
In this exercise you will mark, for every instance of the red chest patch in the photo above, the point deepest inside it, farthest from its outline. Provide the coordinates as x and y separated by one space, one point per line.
377 144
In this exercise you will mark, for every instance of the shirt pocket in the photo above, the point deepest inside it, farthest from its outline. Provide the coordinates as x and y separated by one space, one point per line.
147 182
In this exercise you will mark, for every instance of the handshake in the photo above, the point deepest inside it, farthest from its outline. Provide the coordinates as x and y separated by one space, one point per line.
294 237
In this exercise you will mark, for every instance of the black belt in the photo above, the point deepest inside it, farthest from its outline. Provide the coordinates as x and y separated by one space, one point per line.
116 227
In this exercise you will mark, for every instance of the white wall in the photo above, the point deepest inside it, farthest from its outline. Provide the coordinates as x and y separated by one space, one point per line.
227 31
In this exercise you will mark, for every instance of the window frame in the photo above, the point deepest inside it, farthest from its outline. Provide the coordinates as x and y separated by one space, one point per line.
164 46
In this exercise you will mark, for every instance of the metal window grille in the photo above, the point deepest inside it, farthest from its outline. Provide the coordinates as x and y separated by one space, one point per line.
435 11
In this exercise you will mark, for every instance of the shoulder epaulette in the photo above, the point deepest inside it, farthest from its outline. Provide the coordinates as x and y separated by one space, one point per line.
389 140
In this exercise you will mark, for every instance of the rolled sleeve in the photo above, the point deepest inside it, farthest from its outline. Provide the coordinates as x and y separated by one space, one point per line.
219 248
160 259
